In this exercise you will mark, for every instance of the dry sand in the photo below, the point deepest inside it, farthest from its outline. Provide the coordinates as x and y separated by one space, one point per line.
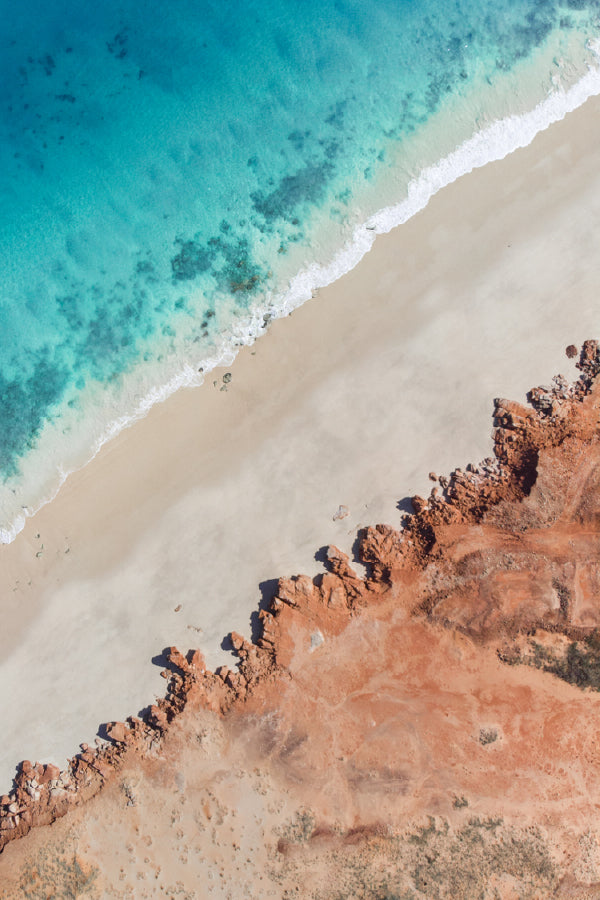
387 374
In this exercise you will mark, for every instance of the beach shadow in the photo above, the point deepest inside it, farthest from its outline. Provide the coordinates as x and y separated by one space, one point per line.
355 549
362 568
226 644
406 506
161 660
268 590
321 556
144 713
13 786
102 733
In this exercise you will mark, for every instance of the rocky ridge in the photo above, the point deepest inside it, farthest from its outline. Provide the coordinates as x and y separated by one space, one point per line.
476 556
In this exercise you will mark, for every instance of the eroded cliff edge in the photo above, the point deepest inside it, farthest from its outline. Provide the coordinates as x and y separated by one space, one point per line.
427 730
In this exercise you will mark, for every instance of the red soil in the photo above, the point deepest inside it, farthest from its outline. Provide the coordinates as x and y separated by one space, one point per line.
376 701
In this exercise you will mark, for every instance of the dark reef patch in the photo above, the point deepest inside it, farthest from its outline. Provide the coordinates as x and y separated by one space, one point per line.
307 185
192 260
228 260
25 405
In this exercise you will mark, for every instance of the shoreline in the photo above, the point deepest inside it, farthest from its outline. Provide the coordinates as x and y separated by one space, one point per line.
332 408
457 674
493 143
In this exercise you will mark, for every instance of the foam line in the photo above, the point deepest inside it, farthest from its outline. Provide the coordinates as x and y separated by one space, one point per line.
492 143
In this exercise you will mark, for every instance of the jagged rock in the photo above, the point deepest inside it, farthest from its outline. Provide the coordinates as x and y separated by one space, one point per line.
589 360
515 575
339 562
117 732
333 591
157 717
197 661
237 640
177 659
51 773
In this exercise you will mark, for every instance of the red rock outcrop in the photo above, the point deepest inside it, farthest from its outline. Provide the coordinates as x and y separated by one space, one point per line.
497 553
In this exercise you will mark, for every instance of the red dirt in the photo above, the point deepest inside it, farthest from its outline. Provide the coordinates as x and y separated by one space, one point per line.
373 703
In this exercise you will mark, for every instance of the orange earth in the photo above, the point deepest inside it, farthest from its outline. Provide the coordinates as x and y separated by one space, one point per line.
428 731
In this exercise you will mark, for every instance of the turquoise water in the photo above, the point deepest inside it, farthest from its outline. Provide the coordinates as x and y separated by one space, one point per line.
166 170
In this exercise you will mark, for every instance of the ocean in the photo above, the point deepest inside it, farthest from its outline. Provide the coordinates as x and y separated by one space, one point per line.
174 176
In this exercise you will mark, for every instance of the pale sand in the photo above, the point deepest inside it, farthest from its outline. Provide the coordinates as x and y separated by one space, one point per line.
388 374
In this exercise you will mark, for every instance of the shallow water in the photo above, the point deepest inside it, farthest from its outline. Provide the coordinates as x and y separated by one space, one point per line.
166 173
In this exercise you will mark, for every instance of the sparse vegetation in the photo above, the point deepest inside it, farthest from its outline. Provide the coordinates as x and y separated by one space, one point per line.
433 862
578 663
127 788
299 829
488 736
56 871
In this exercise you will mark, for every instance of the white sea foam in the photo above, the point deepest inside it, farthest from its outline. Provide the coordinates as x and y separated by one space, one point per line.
492 143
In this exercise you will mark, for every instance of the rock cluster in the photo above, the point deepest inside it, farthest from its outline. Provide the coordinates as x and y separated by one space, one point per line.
42 793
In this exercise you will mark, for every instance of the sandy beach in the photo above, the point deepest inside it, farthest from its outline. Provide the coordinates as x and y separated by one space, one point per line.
173 533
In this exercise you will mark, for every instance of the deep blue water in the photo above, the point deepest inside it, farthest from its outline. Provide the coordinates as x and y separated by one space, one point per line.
166 168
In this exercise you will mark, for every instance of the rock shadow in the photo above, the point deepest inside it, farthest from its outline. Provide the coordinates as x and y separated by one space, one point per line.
268 590
161 660
406 506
